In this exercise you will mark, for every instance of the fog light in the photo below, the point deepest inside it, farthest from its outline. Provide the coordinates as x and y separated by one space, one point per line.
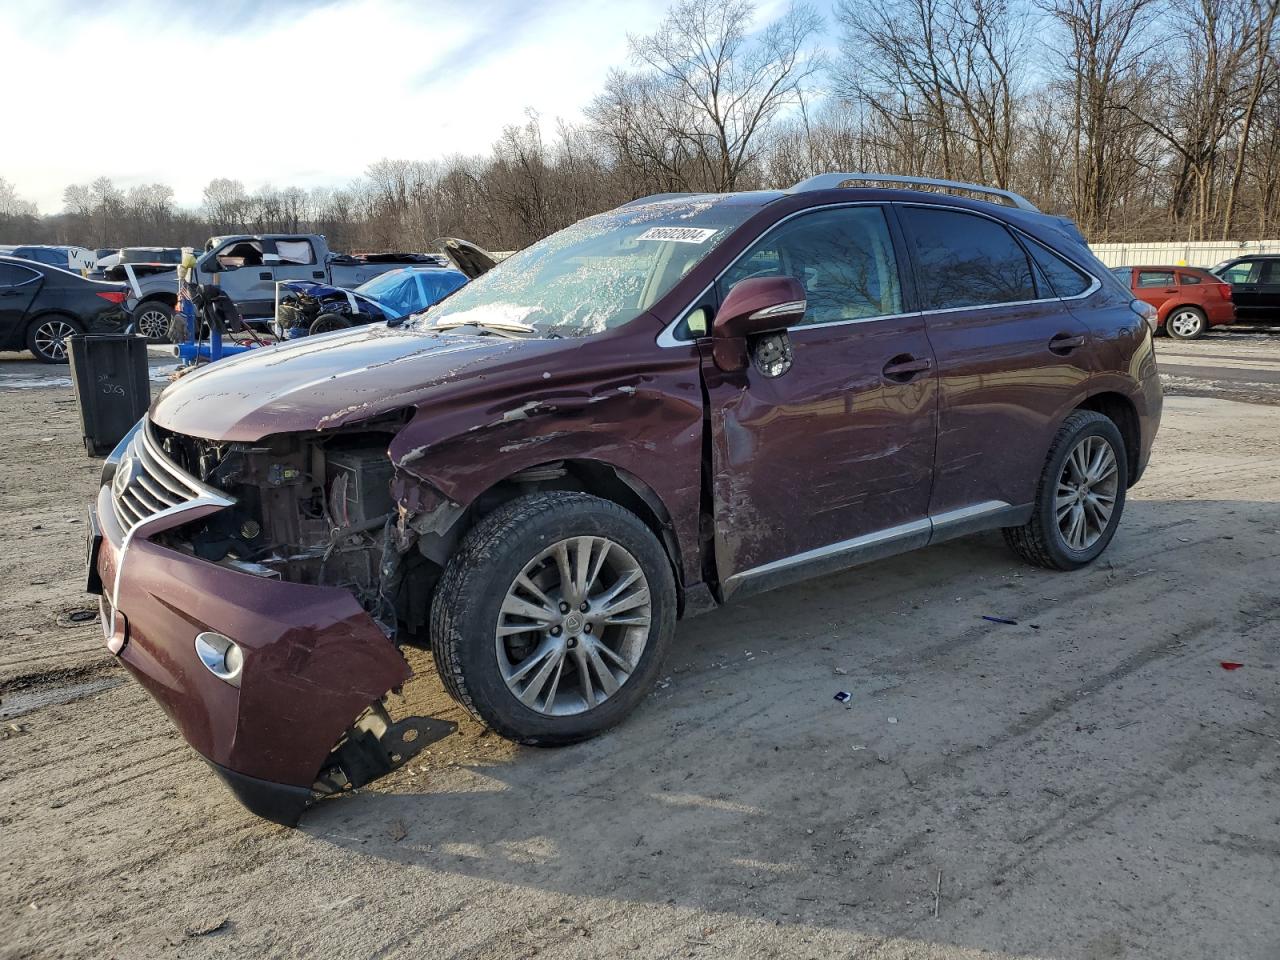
221 655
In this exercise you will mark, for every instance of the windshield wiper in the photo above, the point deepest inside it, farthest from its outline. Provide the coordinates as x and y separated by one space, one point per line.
501 328
508 325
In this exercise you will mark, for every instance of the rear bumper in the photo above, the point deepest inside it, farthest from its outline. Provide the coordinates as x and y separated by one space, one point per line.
313 660
1222 312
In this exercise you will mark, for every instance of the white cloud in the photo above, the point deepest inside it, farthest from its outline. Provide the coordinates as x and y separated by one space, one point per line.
291 93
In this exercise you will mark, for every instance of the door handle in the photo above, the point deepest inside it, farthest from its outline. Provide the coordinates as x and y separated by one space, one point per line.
317 274
1064 343
904 367
265 275
9 293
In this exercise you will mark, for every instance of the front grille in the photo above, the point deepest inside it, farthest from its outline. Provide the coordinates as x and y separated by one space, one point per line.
147 483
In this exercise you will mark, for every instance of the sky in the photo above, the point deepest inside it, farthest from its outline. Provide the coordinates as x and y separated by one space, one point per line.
288 92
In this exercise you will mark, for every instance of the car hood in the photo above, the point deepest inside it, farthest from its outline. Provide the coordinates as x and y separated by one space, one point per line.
327 381
466 256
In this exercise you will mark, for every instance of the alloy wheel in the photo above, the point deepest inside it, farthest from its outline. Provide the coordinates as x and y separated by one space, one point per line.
153 323
1186 323
573 626
1086 493
51 338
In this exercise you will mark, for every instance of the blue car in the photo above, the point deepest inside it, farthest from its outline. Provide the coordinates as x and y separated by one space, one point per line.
308 307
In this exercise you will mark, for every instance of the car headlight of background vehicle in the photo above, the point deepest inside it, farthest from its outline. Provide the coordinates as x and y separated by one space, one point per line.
221 655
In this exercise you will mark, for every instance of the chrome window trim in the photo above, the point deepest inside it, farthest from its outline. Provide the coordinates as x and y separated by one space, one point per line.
667 337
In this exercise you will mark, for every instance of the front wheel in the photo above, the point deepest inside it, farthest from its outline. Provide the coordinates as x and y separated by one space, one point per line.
552 619
1186 323
47 338
1080 496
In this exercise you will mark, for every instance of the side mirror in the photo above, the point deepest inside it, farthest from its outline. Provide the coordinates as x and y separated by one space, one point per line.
755 306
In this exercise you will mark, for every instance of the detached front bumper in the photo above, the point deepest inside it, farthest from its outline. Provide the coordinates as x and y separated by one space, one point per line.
313 660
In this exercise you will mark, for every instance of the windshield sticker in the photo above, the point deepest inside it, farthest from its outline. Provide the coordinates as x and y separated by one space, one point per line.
679 234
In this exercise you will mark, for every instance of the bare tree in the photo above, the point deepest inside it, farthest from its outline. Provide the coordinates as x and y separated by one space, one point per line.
707 88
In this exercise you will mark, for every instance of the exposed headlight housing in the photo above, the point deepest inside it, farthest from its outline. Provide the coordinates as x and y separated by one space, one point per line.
221 655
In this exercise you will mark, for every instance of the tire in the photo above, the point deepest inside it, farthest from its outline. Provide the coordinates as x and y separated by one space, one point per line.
153 319
480 579
328 322
1186 323
47 337
1043 541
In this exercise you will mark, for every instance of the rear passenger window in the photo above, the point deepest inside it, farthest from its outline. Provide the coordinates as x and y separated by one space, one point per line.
966 260
1063 279
1188 278
12 275
844 257
1155 278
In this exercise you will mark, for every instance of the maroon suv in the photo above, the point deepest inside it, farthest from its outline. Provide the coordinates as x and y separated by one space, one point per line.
683 401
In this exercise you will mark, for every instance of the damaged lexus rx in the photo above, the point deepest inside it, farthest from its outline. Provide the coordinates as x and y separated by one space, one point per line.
684 401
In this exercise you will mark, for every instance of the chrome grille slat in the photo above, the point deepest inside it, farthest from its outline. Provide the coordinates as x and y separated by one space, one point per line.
159 491
162 472
154 484
138 491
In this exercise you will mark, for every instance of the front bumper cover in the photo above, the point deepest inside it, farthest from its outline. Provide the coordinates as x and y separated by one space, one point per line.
314 661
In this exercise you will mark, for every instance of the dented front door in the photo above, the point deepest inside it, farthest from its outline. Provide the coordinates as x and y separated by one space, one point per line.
832 460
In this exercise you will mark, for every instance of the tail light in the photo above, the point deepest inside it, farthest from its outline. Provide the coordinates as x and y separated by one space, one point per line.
1146 311
114 296
1224 290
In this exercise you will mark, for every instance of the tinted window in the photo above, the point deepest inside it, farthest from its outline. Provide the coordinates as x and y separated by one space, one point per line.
1064 279
1155 278
1188 278
844 258
1270 271
966 260
11 275
1240 272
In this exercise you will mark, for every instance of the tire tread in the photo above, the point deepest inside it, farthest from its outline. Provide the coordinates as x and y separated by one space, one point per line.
463 580
1030 541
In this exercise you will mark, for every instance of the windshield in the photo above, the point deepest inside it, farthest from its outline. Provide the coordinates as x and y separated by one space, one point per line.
596 274
405 290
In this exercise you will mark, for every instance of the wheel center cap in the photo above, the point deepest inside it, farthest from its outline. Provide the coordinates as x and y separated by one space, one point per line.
573 623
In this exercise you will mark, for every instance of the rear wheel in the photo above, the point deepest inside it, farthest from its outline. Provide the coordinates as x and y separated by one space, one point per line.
552 619
154 320
47 337
1080 496
1186 323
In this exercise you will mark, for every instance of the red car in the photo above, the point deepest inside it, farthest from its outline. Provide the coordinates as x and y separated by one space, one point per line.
673 405
1188 300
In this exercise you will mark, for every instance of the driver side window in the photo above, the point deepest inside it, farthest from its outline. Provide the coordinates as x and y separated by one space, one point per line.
844 258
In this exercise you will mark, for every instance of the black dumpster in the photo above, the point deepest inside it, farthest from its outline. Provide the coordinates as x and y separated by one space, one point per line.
113 388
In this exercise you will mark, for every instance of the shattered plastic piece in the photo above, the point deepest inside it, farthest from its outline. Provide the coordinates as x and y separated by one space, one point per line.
1231 665
893 719
1012 623
844 696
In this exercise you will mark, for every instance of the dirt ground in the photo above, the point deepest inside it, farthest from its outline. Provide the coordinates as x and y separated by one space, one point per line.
1089 783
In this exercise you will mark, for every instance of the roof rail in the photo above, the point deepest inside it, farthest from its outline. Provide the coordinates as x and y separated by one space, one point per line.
654 197
830 181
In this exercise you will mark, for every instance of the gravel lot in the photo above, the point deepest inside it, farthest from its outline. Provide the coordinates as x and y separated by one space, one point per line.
1089 783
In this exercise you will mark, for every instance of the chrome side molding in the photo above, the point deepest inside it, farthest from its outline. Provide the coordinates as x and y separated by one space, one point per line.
877 545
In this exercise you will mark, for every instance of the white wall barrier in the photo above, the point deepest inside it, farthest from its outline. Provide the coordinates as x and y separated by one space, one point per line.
1198 254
